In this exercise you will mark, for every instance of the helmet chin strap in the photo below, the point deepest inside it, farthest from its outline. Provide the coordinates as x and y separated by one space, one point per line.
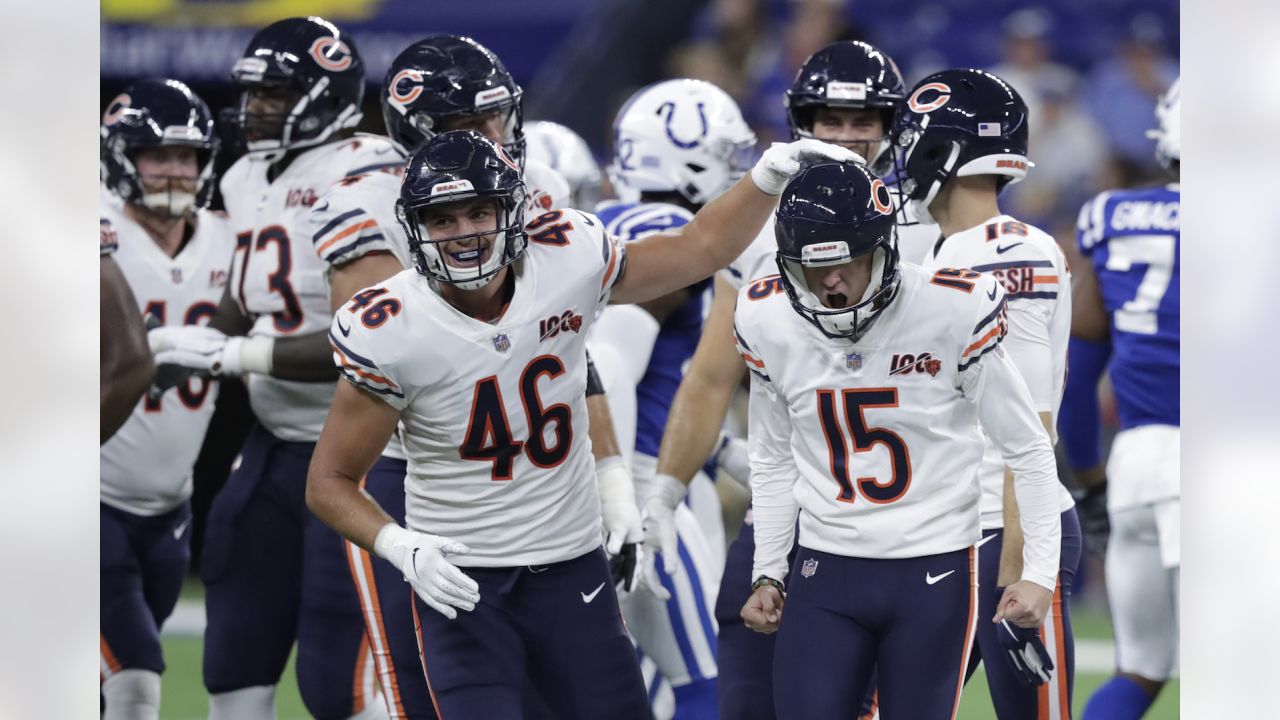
920 208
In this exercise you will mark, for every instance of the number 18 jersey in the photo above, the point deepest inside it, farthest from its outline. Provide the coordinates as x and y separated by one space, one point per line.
493 415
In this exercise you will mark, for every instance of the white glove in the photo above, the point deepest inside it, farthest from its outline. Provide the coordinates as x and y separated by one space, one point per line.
422 559
618 505
783 160
623 531
660 531
202 348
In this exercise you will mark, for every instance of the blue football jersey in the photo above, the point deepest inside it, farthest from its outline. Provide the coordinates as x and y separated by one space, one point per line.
679 333
1132 237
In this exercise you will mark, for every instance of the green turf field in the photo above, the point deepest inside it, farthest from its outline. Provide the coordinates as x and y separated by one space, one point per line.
184 696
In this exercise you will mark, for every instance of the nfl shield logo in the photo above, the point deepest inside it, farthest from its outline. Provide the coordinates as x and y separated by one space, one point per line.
853 361
809 567
501 342
176 275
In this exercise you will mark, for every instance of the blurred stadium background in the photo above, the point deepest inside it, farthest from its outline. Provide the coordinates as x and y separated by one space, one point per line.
1089 70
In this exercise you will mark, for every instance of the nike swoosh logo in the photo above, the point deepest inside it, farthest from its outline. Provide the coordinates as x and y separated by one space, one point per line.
985 540
346 332
588 598
992 295
930 579
177 532
1002 249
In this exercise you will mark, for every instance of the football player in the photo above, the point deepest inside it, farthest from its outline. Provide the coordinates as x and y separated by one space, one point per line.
677 145
274 573
564 151
479 354
1127 309
848 94
880 465
439 83
158 145
964 139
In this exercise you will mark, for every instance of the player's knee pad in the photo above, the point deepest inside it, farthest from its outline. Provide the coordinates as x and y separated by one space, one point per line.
251 703
132 695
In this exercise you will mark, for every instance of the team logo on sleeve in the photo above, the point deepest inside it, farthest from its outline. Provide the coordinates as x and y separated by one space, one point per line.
924 99
907 363
331 54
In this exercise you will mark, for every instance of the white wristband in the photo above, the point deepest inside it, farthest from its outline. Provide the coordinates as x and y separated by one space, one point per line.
388 536
251 354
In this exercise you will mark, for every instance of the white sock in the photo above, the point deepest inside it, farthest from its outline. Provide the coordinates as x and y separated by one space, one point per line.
251 703
132 695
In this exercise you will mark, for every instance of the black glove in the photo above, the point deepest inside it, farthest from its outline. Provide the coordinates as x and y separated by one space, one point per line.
1091 506
623 566
1026 654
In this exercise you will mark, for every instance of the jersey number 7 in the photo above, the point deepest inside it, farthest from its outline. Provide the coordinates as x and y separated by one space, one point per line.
865 438
489 435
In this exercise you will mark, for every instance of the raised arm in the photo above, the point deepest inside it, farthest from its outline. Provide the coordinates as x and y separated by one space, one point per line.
722 229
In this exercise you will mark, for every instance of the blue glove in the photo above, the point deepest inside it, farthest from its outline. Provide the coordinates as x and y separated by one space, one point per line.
1026 653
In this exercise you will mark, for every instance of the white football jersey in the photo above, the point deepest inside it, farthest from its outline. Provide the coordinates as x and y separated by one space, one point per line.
493 415
1033 270
915 239
277 278
883 434
146 466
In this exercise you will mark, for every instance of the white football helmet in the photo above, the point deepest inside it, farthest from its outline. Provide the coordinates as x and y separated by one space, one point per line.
1168 135
684 136
567 153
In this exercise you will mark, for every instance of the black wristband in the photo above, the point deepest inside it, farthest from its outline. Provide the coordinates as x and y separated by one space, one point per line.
594 386
766 580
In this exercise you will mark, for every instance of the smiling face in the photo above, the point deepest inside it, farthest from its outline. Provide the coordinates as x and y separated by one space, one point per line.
859 129
840 286
464 231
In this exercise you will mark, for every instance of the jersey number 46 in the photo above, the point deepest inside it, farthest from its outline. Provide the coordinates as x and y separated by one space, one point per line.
489 435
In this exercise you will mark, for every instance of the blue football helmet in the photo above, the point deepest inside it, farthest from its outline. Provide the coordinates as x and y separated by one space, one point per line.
846 74
457 166
957 123
157 113
830 214
443 76
319 63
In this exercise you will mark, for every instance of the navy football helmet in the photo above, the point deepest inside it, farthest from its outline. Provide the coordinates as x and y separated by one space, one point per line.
157 113
318 68
830 214
448 76
958 123
456 166
846 74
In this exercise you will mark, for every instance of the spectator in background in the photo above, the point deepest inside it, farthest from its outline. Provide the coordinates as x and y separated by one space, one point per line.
1070 153
752 48
1121 95
1026 63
